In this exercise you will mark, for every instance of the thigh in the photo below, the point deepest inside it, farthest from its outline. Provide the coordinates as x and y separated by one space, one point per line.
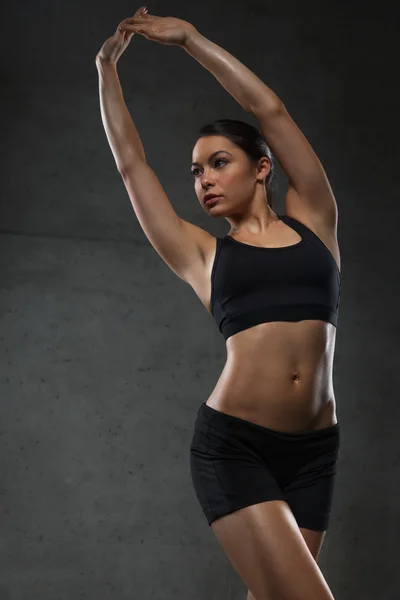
227 474
310 498
265 546
314 540
310 493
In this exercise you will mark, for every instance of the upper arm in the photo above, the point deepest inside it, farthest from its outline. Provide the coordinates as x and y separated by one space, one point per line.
179 243
309 188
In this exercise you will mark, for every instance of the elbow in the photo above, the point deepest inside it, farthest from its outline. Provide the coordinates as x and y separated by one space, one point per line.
127 165
268 106
129 168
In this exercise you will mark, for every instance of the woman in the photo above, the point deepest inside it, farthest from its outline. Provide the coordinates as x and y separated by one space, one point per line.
266 443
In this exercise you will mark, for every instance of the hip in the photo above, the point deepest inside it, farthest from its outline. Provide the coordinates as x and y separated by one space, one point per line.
222 435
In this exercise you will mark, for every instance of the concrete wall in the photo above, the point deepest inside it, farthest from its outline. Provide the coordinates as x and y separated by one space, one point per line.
106 355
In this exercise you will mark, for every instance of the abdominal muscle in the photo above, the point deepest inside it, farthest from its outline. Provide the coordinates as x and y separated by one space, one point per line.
279 375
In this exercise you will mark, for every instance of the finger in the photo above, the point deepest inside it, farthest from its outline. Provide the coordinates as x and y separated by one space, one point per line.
143 18
131 29
137 26
124 26
140 10
138 14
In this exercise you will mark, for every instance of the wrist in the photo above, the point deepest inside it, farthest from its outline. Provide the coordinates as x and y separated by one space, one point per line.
192 35
104 63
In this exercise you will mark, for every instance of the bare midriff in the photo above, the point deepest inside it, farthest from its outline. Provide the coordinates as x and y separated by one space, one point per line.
279 375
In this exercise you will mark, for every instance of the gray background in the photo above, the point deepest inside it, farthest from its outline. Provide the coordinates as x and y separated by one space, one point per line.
106 355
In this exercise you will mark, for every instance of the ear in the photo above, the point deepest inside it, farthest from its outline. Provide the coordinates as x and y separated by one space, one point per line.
263 167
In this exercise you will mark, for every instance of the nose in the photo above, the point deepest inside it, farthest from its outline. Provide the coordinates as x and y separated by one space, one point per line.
206 181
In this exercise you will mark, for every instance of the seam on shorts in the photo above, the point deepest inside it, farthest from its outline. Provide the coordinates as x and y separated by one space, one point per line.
224 496
211 504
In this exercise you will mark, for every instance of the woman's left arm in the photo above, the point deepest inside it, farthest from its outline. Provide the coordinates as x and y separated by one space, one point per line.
233 75
309 188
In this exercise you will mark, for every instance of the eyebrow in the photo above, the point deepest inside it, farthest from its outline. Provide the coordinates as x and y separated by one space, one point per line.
211 156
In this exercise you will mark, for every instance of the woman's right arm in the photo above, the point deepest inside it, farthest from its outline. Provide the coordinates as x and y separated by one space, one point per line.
179 243
121 132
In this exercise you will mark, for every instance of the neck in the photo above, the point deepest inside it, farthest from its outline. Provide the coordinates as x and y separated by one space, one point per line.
254 226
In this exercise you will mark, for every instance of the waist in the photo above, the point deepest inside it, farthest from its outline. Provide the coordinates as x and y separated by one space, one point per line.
289 413
280 375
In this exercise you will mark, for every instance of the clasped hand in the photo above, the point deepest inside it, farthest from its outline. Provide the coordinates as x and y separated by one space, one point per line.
166 30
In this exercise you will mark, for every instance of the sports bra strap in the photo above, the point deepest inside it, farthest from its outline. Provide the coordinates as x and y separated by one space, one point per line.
304 231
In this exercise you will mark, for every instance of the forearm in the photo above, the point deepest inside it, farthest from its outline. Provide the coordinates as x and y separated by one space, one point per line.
120 129
233 75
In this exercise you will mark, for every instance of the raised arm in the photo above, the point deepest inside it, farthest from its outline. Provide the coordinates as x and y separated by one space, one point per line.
309 194
309 189
179 243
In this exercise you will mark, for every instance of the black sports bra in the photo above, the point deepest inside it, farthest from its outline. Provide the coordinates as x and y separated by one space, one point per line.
252 285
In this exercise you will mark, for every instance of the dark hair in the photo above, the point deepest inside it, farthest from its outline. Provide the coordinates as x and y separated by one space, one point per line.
250 140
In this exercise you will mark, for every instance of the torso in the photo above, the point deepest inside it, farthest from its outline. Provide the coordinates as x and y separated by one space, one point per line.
277 374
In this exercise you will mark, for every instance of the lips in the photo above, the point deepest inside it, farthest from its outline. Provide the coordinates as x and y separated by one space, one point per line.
210 197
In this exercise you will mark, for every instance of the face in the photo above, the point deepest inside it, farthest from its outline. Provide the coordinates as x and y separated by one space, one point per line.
220 167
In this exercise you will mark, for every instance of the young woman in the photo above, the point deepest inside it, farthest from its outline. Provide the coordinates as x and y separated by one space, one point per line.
266 443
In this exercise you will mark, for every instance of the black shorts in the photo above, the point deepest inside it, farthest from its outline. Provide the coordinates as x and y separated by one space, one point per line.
235 463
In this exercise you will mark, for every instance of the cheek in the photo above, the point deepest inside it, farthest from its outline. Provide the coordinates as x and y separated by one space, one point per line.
235 175
235 180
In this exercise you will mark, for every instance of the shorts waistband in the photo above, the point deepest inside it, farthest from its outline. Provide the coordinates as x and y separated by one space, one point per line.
211 414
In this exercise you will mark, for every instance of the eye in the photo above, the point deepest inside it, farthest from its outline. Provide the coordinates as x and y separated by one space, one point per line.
216 161
219 160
